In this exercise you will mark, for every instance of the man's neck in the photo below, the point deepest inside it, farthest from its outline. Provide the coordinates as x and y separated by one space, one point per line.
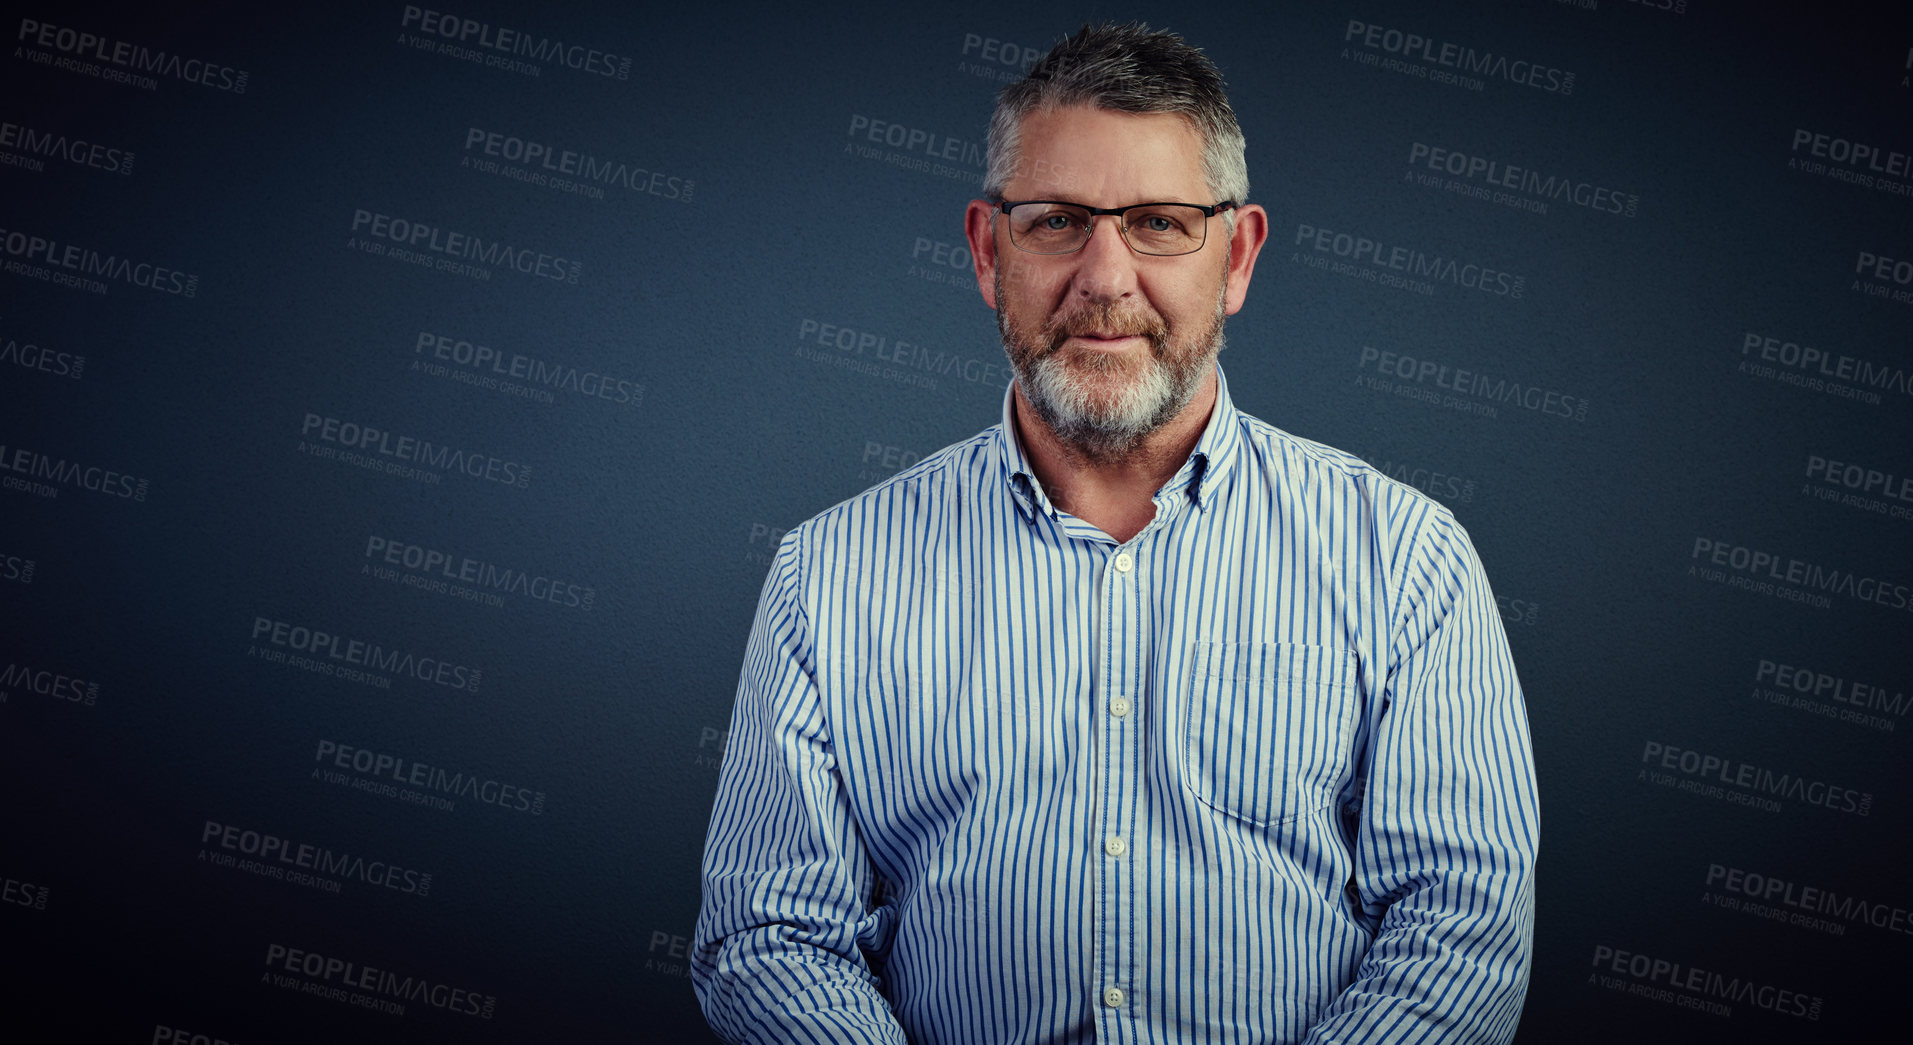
1115 496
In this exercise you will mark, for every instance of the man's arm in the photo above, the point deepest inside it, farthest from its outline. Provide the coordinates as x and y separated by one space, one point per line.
1446 847
779 949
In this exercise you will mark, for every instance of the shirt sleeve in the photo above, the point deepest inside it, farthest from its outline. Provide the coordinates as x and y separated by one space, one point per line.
1446 842
780 948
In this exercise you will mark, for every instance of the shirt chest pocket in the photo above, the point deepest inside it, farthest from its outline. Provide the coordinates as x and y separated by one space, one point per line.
1267 728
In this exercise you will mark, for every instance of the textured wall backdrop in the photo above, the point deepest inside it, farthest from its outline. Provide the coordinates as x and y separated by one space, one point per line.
399 405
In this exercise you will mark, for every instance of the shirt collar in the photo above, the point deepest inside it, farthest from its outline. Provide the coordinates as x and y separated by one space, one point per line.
1201 476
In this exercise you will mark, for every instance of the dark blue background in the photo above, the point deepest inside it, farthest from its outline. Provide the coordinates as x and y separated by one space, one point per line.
668 508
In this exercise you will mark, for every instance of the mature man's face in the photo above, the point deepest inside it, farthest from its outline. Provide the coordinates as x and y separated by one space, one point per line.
1107 344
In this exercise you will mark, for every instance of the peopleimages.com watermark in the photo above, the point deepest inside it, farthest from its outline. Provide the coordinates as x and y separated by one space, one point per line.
1703 990
120 61
28 147
516 374
42 360
44 475
86 268
1822 370
57 686
504 47
1820 908
368 986
566 170
1770 573
1447 62
1744 783
1862 164
364 661
1829 695
435 246
15 892
1401 267
419 783
318 867
410 457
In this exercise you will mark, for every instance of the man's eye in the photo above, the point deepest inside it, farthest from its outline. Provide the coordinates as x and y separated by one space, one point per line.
1158 223
1056 222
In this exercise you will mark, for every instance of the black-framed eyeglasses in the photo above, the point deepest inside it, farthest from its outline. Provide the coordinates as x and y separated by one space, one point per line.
1157 229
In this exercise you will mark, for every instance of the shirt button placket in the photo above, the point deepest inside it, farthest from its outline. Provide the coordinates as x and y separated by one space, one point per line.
1122 603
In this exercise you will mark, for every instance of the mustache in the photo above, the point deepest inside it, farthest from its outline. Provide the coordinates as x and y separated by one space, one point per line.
1106 318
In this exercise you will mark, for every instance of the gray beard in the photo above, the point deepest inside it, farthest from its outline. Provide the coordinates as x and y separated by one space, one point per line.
1109 426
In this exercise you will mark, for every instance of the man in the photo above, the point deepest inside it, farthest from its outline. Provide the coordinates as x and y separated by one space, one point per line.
1132 718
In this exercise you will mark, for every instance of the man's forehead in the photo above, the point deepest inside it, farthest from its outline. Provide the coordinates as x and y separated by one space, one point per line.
1089 149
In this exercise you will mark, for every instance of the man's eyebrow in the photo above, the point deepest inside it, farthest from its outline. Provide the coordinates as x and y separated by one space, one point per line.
1171 198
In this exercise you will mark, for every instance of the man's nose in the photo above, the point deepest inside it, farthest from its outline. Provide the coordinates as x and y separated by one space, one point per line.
1106 268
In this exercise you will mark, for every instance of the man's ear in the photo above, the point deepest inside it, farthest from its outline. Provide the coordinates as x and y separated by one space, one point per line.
1251 231
979 227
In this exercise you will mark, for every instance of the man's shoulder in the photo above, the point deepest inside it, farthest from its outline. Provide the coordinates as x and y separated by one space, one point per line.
955 470
1305 465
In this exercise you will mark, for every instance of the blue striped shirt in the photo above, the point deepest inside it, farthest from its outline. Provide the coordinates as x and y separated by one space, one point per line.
1259 774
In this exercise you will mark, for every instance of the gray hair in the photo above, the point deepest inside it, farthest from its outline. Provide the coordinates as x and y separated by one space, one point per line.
1126 68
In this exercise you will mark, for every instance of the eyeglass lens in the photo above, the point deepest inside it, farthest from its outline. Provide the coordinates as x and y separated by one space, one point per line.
1060 228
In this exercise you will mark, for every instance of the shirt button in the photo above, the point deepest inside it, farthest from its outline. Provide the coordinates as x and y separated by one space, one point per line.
1124 562
1119 706
1113 997
1114 846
